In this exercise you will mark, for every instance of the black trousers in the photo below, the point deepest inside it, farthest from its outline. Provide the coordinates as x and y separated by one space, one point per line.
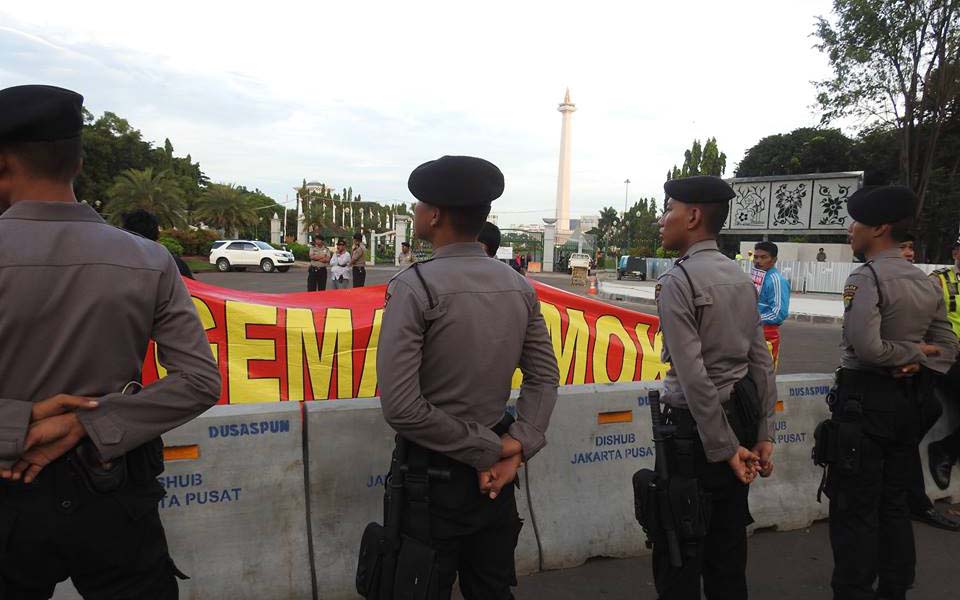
359 276
950 386
720 559
316 279
930 412
111 545
870 528
475 537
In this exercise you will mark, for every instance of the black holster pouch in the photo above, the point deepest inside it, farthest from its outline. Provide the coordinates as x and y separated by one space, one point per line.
136 468
691 509
743 411
838 440
646 504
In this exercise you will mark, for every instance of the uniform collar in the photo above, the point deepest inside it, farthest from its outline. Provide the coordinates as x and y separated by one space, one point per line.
462 249
30 210
889 253
700 246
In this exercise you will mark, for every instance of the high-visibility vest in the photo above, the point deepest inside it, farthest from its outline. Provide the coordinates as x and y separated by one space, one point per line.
948 282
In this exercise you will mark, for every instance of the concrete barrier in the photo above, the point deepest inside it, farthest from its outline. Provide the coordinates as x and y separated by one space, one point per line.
350 447
235 517
580 484
788 499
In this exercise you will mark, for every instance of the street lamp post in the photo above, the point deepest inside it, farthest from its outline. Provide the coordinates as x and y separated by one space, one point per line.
626 230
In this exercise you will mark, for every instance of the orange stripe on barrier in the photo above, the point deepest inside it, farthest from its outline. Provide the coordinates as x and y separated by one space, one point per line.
181 452
620 416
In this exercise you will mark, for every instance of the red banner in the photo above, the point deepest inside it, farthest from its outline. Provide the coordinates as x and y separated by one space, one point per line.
319 346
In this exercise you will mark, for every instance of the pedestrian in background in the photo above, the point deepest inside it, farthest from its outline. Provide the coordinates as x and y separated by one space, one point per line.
406 257
358 260
340 267
145 223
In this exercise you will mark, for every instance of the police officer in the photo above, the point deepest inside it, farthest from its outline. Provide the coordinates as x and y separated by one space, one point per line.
358 260
930 409
894 328
444 391
944 453
81 299
489 238
319 260
721 372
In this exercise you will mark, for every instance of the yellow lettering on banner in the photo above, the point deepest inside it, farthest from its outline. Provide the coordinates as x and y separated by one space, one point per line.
302 340
571 348
368 378
241 350
206 319
607 326
651 366
338 339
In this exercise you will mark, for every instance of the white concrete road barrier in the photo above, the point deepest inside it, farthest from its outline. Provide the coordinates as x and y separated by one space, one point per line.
235 516
239 500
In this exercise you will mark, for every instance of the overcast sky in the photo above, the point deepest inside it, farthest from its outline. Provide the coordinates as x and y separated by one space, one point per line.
358 93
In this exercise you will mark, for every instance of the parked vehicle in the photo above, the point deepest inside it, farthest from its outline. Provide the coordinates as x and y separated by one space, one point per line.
239 254
632 266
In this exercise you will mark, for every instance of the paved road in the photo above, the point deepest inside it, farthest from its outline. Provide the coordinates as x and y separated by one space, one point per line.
793 565
807 347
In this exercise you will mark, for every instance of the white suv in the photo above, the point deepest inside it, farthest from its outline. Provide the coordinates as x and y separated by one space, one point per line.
227 254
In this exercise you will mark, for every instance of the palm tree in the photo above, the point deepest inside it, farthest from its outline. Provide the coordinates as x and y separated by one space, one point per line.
223 206
606 224
143 189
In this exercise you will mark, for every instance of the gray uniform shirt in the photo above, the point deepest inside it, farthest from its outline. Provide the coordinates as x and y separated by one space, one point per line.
79 301
880 334
708 357
445 372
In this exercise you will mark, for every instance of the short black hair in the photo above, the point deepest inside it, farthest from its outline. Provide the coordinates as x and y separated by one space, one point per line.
714 216
59 160
141 222
900 230
821 250
468 220
319 237
358 236
768 247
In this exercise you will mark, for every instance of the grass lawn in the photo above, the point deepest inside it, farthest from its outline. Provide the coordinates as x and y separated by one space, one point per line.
198 264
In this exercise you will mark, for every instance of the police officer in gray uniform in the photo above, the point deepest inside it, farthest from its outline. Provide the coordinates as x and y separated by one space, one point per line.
895 330
720 392
79 302
455 329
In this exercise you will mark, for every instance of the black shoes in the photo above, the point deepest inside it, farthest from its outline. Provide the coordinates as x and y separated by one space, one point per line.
941 463
934 518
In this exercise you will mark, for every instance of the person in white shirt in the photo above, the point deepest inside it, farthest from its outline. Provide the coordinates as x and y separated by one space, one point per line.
340 271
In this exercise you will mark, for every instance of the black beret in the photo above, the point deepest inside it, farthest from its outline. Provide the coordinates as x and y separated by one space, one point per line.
881 204
39 113
456 181
358 236
490 235
405 244
702 189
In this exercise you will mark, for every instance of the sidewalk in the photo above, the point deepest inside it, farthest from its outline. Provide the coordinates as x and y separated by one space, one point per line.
819 308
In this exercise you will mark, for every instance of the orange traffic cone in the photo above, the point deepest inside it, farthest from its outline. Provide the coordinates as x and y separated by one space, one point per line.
593 287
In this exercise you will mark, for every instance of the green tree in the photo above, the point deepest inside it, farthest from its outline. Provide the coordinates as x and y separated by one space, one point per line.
225 207
804 150
895 63
701 160
154 192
